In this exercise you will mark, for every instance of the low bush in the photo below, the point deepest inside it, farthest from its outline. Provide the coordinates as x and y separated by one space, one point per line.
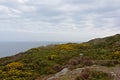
88 74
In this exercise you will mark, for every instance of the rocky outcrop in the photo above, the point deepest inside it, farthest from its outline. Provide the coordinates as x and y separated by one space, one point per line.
57 75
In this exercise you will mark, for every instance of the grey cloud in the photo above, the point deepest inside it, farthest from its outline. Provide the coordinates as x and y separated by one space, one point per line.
78 17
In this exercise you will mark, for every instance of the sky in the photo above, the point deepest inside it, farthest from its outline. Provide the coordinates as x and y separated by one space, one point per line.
58 20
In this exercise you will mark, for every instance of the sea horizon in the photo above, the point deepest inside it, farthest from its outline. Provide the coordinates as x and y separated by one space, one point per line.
9 48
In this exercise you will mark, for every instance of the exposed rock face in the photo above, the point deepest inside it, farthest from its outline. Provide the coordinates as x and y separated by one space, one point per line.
57 75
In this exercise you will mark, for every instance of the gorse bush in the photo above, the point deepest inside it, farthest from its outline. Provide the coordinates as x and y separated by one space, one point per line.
14 71
15 65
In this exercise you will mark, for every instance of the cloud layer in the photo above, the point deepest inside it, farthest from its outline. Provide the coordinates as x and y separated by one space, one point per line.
88 18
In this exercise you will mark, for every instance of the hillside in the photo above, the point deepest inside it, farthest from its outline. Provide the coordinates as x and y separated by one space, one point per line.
45 61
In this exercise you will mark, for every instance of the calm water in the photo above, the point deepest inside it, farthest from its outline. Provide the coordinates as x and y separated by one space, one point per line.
12 48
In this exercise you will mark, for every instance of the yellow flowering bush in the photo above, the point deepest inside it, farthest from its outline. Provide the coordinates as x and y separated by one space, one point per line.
51 57
116 55
15 65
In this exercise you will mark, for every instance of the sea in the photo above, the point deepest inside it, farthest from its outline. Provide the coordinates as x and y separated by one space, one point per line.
12 48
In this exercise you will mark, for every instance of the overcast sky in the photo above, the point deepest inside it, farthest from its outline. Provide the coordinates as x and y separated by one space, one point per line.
58 20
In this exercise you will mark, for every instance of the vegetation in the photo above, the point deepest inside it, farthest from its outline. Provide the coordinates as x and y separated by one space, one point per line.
93 75
46 60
